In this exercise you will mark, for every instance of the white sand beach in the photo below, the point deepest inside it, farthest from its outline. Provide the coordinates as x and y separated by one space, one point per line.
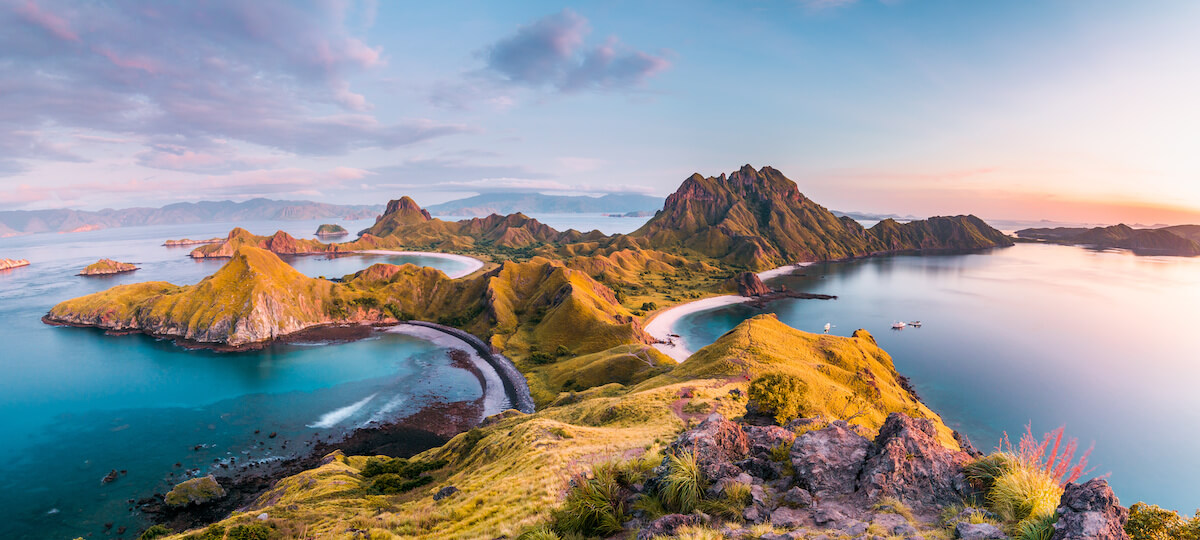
472 263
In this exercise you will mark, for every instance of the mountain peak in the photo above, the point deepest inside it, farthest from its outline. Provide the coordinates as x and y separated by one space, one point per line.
407 210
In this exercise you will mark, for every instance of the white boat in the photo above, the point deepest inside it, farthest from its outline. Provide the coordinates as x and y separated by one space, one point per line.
898 325
827 327
916 324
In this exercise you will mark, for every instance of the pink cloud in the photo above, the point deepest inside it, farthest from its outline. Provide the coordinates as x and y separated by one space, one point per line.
142 63
52 23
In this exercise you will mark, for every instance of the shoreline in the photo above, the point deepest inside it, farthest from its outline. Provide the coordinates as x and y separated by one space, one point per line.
472 263
662 326
493 402
512 380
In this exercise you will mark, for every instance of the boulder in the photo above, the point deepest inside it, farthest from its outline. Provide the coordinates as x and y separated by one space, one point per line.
764 439
445 492
789 518
668 524
893 524
909 463
978 531
717 443
827 461
1090 511
797 498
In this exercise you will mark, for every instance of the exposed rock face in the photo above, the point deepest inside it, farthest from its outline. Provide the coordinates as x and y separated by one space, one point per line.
748 284
717 443
907 462
5 264
827 461
105 267
1090 511
761 220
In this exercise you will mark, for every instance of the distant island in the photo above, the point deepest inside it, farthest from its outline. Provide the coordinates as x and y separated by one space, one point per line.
1178 240
5 264
331 230
486 204
189 242
18 222
106 267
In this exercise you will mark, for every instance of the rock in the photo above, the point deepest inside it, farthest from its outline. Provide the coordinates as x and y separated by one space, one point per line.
764 439
668 524
894 524
978 531
827 461
789 518
853 527
1090 511
445 492
111 476
196 491
748 284
762 468
717 443
263 517
909 463
824 515
6 264
797 498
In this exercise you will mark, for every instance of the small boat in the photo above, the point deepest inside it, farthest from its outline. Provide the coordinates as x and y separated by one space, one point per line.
827 327
898 326
915 324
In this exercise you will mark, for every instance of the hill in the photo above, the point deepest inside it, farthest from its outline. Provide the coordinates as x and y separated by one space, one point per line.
1179 240
759 219
502 203
16 222
104 267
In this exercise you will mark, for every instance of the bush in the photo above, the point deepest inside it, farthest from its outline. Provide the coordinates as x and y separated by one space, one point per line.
649 306
1149 522
155 531
213 532
400 467
562 350
391 484
540 358
779 395
255 531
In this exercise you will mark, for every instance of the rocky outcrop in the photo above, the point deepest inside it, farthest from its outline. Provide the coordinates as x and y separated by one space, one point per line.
196 491
106 267
330 230
280 243
717 443
1090 511
907 462
827 461
5 264
748 284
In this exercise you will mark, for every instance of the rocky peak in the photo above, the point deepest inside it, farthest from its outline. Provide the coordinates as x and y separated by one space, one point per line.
406 210
1090 511
748 284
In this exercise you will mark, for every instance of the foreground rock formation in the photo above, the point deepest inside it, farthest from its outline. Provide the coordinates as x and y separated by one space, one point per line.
5 264
106 267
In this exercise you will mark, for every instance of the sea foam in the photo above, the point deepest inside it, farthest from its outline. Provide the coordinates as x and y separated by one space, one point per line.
336 416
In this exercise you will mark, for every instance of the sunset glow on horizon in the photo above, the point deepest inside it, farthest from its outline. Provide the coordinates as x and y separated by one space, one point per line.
1069 111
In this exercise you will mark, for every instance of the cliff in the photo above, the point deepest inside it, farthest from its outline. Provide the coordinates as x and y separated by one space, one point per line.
1180 240
759 219
104 267
5 264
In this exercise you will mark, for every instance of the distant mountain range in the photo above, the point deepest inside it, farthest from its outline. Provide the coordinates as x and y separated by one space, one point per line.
1179 240
16 222
486 204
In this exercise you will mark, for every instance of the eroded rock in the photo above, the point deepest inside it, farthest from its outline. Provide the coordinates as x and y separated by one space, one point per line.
909 463
827 461
1090 511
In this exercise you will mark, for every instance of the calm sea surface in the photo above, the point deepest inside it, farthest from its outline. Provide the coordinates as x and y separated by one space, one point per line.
1101 342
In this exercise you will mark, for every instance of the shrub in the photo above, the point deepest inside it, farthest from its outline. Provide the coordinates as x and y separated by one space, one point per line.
400 467
649 306
1024 493
779 395
1149 522
391 484
254 531
155 531
540 358
684 484
213 532
562 350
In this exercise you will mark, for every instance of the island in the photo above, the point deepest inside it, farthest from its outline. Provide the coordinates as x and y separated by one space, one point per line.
6 264
189 242
1178 241
107 267
329 230
767 432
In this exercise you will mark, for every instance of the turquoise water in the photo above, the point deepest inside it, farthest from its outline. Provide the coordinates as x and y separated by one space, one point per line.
75 403
1101 342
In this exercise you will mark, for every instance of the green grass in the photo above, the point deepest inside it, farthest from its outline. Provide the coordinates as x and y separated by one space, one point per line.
1024 493
684 485
1036 528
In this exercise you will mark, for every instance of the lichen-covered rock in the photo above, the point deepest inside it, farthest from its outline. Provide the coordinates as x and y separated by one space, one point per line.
789 518
1090 511
797 498
195 491
827 461
717 443
907 462
764 439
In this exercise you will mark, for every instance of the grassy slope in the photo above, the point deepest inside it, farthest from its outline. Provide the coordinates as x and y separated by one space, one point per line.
516 474
107 266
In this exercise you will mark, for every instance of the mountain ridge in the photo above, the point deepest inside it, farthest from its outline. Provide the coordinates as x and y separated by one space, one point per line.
520 202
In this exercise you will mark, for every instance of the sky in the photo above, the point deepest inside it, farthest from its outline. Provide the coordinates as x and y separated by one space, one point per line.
1067 110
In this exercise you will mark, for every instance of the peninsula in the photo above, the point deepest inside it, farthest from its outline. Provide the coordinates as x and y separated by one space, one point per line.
1179 240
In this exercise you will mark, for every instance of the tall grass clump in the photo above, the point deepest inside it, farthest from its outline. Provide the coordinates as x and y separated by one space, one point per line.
596 502
684 485
1039 528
